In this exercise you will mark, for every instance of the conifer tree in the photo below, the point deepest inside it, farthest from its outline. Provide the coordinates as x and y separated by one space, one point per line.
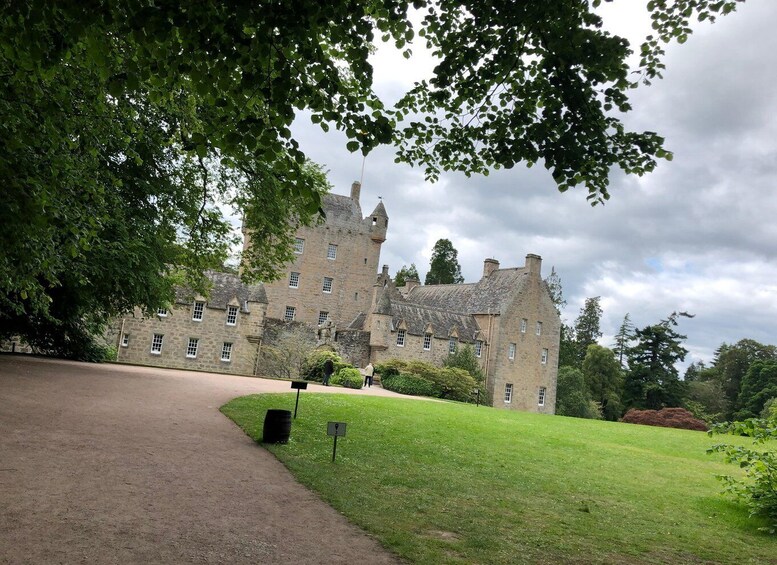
444 267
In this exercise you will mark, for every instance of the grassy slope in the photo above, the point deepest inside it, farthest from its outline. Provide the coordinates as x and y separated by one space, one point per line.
452 483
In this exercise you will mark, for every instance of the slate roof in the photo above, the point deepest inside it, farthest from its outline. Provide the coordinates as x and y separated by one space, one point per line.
341 209
490 295
450 306
417 319
225 287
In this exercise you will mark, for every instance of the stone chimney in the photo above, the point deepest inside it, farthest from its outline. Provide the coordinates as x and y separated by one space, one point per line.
489 266
356 189
410 284
533 264
385 271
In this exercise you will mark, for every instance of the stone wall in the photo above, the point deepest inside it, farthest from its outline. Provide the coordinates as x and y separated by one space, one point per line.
353 346
526 372
352 271
135 335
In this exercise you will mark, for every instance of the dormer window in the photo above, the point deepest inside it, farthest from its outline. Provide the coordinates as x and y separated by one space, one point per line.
232 315
374 220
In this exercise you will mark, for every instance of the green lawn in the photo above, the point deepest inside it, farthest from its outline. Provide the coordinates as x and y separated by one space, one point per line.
442 482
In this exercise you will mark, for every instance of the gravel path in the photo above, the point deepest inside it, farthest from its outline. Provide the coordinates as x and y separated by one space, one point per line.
124 464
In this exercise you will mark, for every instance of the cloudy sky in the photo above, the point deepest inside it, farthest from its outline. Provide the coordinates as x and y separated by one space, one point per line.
699 234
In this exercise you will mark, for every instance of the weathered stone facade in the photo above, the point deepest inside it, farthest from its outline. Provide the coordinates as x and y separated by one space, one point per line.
227 329
334 266
507 316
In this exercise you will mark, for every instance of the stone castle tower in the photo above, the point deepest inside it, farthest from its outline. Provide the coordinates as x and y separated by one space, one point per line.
334 266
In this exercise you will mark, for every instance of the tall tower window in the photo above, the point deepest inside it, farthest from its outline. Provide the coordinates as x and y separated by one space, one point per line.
331 251
293 280
508 393
328 284
541 397
299 245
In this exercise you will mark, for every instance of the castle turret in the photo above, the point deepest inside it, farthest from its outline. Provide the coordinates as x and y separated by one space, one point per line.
378 223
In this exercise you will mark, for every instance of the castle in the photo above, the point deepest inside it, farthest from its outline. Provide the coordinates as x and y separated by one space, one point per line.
332 284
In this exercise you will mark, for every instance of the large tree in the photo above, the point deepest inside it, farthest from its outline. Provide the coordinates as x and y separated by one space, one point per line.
759 386
127 126
444 266
652 381
732 362
604 378
587 327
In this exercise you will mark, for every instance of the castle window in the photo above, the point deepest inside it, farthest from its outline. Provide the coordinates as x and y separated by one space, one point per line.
293 280
365 260
226 351
400 338
331 252
288 316
191 349
299 245
541 398
322 317
538 331
374 221
125 340
427 342
508 393
156 344
544 357
328 284
452 346
511 351
161 312
524 321
199 308
356 296
231 315
478 348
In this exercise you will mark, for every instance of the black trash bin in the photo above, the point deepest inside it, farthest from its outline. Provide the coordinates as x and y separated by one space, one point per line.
277 426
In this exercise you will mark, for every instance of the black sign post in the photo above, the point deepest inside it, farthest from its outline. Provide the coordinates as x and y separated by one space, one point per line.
477 392
299 385
335 429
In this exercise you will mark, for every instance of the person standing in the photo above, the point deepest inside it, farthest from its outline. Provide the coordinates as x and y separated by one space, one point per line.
369 371
329 368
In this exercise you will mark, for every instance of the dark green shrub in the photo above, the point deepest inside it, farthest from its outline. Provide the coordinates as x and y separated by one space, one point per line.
406 383
347 377
454 383
313 368
440 382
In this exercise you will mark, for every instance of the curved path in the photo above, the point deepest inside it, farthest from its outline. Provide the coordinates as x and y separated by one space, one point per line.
126 464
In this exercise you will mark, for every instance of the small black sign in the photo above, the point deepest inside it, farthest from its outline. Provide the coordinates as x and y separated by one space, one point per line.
335 429
299 385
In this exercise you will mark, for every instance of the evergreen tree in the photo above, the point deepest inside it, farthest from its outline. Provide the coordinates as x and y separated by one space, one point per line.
400 279
567 355
587 326
623 337
444 267
653 380
553 282
604 379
